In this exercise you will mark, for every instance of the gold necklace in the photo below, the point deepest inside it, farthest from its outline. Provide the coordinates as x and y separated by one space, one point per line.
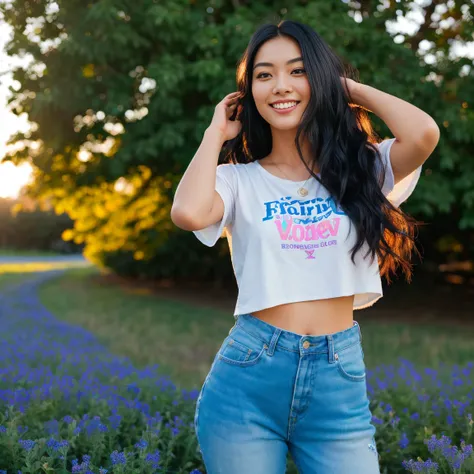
302 191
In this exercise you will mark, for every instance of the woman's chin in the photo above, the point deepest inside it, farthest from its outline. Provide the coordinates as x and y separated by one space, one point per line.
284 125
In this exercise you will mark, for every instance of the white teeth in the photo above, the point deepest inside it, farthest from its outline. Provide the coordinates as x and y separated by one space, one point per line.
284 105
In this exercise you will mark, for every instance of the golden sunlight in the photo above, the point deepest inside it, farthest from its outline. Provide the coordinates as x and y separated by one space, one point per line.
13 178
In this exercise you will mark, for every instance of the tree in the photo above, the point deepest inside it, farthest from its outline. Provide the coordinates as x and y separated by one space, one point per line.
120 93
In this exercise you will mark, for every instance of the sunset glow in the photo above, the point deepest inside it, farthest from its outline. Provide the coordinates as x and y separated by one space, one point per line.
13 178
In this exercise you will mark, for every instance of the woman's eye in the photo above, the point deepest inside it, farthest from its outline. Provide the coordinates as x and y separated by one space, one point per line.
301 70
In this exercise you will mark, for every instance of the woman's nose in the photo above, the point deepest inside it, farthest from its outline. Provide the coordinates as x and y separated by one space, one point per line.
282 86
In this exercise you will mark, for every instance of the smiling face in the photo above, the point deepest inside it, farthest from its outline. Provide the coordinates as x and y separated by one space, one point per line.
279 76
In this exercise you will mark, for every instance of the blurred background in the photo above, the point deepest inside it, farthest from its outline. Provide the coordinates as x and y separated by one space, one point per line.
104 103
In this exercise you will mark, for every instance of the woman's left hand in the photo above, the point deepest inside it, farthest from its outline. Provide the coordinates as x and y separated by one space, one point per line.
350 86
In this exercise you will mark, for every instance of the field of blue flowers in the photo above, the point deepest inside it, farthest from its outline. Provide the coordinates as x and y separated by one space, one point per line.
69 406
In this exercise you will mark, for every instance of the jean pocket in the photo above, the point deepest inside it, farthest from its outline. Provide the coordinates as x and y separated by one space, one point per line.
350 362
242 349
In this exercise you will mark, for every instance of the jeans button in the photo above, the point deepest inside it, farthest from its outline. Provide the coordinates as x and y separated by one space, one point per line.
306 344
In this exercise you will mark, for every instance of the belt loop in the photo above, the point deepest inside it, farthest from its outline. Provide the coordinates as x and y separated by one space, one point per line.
273 342
331 358
360 332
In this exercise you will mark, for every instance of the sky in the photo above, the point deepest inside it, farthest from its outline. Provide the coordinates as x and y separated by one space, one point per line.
13 178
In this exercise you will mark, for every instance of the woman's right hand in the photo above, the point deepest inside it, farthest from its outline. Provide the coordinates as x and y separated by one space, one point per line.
228 129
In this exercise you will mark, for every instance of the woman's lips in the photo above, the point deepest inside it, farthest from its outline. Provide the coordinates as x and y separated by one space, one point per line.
285 111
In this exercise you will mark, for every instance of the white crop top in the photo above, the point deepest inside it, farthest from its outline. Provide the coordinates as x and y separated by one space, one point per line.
285 248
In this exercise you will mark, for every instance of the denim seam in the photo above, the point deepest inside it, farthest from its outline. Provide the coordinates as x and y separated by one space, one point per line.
277 346
290 424
352 378
283 348
302 414
245 363
239 346
198 402
340 349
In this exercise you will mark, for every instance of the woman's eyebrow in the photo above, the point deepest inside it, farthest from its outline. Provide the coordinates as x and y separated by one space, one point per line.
294 60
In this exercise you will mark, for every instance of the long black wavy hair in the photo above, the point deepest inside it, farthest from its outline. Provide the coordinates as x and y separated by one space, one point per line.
342 141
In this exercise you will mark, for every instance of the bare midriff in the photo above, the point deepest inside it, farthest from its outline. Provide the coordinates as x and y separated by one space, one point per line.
315 317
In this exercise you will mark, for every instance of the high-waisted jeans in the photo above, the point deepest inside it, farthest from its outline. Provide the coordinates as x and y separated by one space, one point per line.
270 390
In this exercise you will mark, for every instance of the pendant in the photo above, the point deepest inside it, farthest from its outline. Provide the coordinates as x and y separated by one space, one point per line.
303 192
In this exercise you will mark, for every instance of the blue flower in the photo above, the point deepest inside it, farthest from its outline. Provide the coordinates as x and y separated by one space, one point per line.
118 458
142 444
377 420
53 444
433 443
27 444
419 466
404 442
153 459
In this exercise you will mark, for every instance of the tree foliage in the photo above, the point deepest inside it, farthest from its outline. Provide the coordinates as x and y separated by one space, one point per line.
33 229
120 92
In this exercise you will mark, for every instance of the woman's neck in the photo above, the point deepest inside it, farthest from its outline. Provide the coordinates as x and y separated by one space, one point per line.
285 154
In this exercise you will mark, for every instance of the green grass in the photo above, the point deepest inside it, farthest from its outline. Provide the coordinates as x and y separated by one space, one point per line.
183 339
180 338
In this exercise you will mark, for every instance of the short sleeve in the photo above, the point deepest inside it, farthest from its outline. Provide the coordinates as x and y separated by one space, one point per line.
226 187
395 193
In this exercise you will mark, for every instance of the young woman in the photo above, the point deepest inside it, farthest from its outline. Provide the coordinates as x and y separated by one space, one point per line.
309 202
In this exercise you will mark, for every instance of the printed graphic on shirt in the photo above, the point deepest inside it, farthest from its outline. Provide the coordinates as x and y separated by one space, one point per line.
305 225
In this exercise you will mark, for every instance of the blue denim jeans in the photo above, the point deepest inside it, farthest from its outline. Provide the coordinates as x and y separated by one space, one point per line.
270 390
